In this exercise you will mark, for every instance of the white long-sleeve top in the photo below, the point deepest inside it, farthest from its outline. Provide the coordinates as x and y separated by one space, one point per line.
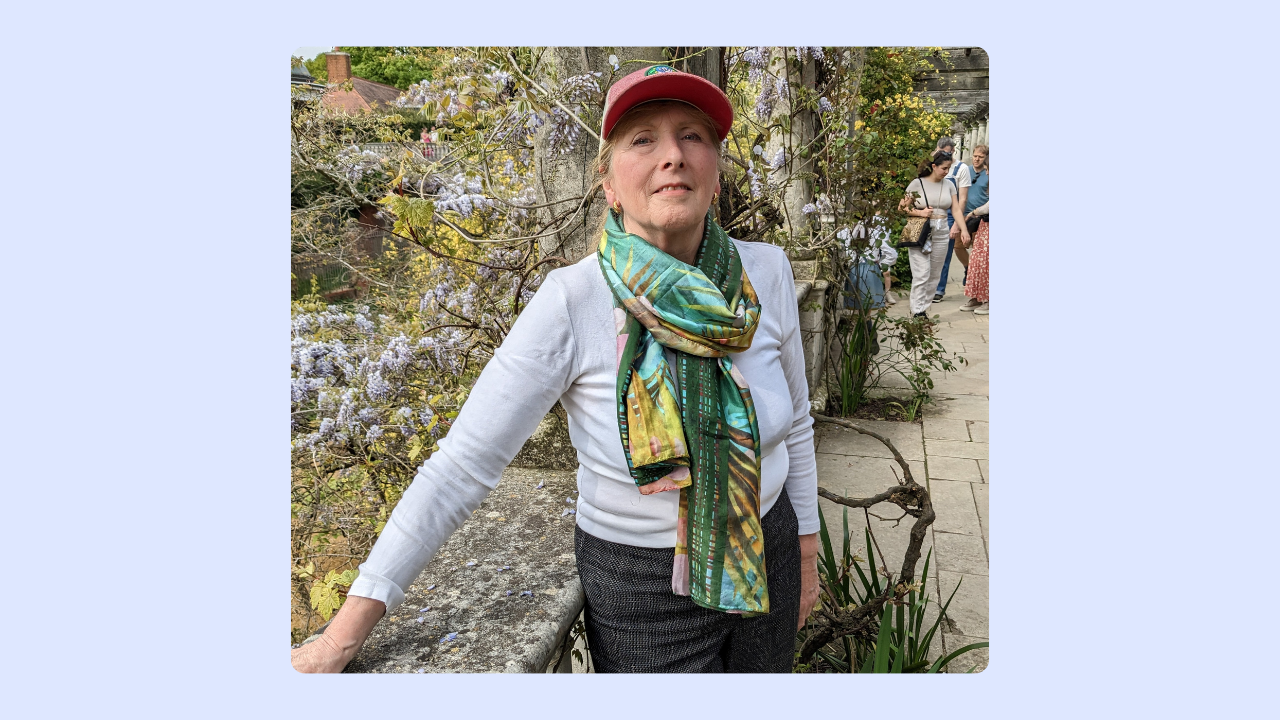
564 347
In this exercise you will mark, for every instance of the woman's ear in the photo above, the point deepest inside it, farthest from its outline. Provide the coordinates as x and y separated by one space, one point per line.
608 193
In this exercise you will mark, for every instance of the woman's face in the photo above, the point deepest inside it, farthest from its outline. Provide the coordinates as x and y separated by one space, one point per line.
940 170
664 172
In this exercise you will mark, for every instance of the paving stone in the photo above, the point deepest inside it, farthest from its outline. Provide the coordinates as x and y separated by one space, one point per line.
960 553
958 406
948 468
979 658
953 448
970 608
951 337
944 429
955 384
982 467
894 380
981 500
956 510
906 437
979 431
976 362
861 476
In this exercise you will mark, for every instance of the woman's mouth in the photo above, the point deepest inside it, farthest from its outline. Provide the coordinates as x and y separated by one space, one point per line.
672 188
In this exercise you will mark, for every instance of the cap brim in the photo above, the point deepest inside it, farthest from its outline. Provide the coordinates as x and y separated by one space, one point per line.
691 89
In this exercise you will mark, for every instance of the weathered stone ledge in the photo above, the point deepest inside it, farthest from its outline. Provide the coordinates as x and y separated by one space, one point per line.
501 620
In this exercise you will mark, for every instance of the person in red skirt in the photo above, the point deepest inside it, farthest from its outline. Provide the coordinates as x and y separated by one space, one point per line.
976 284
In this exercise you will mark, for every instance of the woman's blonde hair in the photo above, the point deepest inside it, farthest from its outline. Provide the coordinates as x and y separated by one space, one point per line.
603 163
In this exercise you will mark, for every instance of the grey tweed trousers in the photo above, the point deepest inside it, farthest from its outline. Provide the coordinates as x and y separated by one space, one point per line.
636 624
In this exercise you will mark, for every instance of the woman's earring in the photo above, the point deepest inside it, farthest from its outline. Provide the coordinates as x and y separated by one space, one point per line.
715 198
617 206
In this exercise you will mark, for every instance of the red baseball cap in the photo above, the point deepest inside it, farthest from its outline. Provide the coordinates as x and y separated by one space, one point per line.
663 82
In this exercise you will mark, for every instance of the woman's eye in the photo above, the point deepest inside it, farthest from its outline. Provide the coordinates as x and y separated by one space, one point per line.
692 136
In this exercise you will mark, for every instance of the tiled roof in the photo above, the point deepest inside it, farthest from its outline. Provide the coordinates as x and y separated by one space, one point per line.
364 95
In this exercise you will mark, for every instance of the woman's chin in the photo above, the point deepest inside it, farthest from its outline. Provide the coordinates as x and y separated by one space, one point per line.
680 219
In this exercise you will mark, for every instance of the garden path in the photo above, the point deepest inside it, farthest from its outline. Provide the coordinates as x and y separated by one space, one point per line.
949 450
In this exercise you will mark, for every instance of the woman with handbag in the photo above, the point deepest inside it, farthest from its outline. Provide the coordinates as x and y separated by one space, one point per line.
926 234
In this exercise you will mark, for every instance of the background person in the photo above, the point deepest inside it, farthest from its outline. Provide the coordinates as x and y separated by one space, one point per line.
959 174
929 195
978 198
646 537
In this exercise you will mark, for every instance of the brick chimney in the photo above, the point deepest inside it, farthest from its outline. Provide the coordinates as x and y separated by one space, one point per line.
338 65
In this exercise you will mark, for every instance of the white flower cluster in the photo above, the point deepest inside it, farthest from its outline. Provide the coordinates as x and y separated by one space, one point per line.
355 164
563 136
462 195
757 59
771 91
348 386
805 52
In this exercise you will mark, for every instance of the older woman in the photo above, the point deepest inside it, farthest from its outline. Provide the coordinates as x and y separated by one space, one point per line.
677 353
930 195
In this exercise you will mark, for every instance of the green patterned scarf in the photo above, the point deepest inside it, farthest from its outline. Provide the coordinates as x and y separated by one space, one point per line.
706 444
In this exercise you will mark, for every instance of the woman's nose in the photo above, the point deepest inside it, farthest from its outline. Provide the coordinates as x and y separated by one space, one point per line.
672 155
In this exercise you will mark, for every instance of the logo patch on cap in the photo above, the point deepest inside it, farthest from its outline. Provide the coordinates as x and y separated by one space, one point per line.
658 69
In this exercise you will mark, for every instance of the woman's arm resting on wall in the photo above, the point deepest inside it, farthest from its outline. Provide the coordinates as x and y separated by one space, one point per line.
529 372
340 642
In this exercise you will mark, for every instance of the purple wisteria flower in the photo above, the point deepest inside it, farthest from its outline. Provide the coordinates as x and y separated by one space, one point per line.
757 59
779 160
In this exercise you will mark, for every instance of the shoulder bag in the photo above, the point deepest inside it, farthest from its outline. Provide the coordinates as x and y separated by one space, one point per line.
917 229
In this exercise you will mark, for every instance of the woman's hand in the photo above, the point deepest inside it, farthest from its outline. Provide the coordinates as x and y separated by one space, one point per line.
322 655
808 576
340 642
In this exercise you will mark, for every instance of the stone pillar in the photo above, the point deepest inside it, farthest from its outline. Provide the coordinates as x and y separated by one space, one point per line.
570 175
